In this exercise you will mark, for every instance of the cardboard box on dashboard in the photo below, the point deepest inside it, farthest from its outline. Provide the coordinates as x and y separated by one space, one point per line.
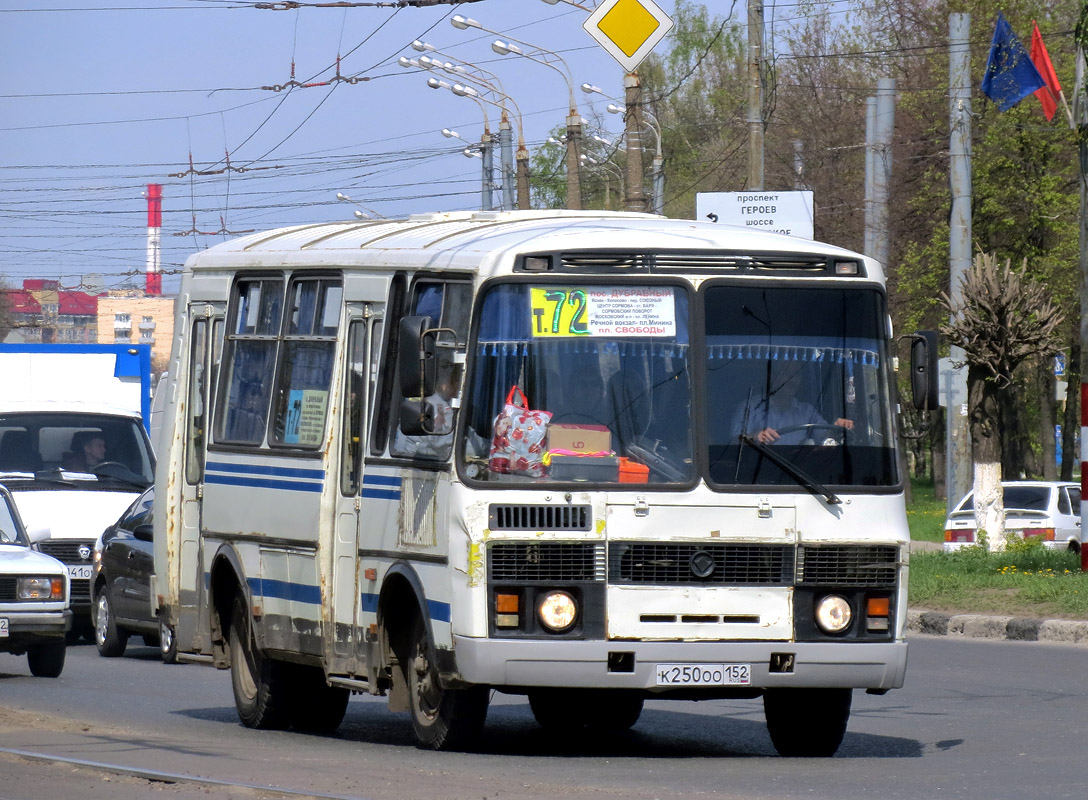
580 438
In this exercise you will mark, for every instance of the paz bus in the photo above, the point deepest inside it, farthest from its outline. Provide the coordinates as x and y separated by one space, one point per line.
438 457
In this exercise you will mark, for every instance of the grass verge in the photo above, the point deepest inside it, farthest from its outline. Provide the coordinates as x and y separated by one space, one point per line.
925 514
1027 581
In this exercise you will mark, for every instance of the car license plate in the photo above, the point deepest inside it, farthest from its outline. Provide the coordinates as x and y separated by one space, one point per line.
704 674
3 627
79 571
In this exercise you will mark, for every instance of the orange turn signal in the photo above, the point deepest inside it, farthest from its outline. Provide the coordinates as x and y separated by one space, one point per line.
878 607
506 603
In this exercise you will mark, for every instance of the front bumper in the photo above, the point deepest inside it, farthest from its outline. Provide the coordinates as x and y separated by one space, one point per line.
585 664
30 628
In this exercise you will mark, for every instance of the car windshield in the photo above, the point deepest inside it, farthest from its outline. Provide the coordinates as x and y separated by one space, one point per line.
74 450
603 385
10 530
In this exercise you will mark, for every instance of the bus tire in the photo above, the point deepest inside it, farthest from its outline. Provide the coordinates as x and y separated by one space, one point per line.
261 686
567 710
47 660
110 640
316 707
442 719
807 723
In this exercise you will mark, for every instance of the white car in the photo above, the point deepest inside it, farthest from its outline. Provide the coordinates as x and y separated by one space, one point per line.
34 597
1047 509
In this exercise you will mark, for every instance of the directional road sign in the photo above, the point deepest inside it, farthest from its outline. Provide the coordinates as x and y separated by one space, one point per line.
628 29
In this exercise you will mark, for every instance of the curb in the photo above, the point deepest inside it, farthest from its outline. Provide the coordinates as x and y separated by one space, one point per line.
980 626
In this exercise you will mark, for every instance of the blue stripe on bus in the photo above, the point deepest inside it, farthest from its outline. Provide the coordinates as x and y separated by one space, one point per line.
263 483
440 612
259 469
381 480
382 494
285 590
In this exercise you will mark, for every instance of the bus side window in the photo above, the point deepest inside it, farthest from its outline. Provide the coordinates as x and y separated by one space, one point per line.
304 374
447 304
356 379
197 423
249 361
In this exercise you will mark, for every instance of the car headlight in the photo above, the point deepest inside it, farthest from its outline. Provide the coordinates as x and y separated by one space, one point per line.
40 588
833 614
557 611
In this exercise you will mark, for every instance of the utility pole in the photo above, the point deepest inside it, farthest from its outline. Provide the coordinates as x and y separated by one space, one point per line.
755 95
574 158
487 148
884 130
958 443
870 170
1080 114
632 100
506 157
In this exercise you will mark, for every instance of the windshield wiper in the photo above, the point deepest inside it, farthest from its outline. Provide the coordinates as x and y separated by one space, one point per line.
791 469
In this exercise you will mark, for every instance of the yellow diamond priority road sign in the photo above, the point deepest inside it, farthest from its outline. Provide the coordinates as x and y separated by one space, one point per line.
628 29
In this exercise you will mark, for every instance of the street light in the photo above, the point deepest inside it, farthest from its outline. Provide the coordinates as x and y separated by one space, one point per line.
509 46
657 172
462 90
369 213
466 71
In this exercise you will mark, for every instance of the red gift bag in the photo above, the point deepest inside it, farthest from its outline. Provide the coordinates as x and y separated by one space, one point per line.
517 441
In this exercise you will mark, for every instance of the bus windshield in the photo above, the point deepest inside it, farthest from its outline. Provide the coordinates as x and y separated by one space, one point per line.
606 370
802 371
587 382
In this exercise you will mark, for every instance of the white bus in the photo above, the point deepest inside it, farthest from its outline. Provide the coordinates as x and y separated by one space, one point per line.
527 452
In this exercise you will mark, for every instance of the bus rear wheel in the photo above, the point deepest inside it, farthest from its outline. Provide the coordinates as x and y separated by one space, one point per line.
807 723
261 686
442 719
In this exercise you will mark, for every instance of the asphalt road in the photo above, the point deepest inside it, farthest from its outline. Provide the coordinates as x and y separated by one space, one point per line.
977 719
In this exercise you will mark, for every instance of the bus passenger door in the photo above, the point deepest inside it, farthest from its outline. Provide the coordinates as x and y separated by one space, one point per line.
205 349
357 391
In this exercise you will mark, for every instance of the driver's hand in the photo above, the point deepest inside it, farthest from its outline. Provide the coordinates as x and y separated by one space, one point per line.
845 423
767 436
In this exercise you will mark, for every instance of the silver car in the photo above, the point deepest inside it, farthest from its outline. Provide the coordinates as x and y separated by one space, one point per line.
1049 510
34 597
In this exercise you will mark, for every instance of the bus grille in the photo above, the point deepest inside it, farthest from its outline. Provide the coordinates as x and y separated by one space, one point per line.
546 561
847 565
701 564
539 518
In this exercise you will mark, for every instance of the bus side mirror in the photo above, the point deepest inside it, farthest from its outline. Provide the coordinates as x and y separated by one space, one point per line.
417 417
924 383
416 357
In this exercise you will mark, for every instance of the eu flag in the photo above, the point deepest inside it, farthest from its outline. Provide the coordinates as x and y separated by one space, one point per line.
1010 74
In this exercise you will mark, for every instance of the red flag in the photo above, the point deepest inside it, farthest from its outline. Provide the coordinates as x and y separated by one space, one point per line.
1048 95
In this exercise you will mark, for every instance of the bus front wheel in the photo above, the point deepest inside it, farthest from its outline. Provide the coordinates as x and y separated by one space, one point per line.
807 723
261 686
442 719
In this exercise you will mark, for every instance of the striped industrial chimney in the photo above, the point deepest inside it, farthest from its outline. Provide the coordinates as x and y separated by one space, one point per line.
154 234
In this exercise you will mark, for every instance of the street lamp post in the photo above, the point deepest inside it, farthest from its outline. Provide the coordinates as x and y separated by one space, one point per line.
493 94
657 172
484 152
574 119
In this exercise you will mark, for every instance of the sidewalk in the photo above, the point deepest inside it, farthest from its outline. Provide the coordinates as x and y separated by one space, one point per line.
981 626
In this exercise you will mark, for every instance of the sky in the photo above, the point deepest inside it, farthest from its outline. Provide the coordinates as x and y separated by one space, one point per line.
103 97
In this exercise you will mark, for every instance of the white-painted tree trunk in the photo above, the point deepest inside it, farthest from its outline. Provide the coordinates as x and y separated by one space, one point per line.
989 504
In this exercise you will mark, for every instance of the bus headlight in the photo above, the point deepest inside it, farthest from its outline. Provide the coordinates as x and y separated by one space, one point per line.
557 611
833 614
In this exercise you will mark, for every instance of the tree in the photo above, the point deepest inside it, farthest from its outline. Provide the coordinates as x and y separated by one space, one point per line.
1003 319
7 318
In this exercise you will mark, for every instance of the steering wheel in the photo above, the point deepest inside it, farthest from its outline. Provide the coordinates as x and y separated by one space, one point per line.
837 433
104 464
660 463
